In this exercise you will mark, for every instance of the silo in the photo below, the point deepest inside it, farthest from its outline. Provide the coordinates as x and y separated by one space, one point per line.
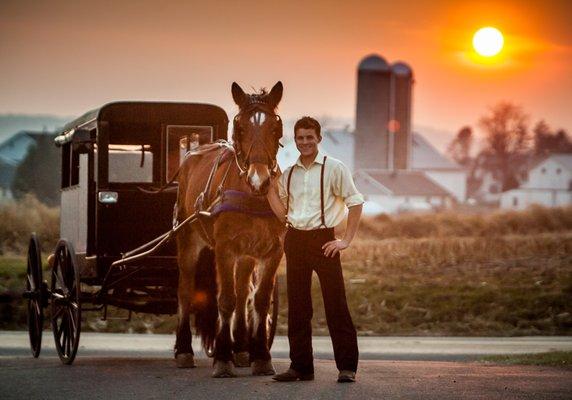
372 115
400 140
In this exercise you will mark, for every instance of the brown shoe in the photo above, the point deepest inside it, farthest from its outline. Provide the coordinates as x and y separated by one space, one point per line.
346 376
292 375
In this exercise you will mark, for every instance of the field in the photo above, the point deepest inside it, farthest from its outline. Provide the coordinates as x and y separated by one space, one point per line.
496 274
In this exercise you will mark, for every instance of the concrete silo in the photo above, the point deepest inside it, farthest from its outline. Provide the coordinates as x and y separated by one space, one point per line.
400 138
371 148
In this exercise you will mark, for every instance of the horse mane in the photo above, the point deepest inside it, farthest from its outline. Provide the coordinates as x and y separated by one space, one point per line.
208 147
258 99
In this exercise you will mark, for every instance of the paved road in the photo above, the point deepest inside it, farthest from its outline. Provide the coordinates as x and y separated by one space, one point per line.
141 367
371 348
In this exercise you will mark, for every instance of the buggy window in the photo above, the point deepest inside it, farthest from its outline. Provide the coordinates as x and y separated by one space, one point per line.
130 163
180 140
70 166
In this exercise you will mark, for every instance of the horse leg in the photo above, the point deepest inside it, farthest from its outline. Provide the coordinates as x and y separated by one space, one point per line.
260 354
226 305
244 268
188 251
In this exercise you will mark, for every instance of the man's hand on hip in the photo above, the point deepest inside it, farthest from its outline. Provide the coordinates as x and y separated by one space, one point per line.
333 247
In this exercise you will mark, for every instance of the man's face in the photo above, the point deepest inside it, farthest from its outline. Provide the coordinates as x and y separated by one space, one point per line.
307 141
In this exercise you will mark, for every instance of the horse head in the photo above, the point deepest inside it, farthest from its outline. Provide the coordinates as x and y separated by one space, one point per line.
256 133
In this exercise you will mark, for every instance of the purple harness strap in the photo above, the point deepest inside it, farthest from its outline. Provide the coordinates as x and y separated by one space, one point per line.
237 201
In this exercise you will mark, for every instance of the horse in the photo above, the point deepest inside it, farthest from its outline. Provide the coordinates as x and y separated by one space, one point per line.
231 245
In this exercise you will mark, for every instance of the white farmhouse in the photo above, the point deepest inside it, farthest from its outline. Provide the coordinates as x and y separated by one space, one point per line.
440 169
549 184
402 190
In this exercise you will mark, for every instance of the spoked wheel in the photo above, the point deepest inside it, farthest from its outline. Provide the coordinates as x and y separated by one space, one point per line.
66 307
36 295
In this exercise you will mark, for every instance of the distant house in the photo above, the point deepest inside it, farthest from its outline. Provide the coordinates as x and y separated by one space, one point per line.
443 171
12 152
549 184
487 187
485 184
399 191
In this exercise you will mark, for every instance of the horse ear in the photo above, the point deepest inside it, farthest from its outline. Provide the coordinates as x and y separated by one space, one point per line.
238 94
275 94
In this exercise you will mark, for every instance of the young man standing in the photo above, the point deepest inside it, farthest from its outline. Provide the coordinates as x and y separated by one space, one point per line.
310 197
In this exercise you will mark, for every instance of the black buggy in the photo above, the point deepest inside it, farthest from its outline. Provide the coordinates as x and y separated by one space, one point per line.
118 192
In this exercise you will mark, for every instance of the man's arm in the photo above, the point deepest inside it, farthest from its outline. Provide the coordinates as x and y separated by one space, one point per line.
335 246
275 201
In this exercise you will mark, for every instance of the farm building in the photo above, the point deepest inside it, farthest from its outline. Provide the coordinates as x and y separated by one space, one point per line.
549 184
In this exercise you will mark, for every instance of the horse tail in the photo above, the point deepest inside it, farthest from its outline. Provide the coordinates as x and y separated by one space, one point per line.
206 311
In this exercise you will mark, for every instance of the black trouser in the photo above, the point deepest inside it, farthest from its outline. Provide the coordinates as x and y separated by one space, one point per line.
304 254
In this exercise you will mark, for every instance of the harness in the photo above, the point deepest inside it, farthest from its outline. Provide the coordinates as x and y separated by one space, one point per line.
225 200
322 213
243 158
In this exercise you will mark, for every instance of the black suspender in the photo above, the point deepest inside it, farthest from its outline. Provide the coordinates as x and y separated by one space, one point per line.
323 214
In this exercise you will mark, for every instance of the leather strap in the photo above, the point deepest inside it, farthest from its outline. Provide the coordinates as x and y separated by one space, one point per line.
323 216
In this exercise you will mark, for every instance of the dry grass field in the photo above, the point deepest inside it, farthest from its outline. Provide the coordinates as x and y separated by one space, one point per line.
19 220
501 274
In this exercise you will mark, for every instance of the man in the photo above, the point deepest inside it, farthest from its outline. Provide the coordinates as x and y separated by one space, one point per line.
311 198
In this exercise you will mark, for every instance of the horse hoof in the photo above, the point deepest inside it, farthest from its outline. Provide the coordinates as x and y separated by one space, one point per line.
241 359
185 360
262 367
223 369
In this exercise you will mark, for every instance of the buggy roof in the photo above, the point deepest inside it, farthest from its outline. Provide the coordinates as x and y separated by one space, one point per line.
146 112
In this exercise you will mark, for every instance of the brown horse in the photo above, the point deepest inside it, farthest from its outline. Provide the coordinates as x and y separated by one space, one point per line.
242 241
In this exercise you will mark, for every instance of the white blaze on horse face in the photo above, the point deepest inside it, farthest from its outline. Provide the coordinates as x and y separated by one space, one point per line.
257 175
258 118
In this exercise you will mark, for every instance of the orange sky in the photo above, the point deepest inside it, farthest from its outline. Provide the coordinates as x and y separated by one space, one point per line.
66 57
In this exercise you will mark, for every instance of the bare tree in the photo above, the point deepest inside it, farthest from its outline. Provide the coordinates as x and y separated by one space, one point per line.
546 141
507 140
460 147
39 172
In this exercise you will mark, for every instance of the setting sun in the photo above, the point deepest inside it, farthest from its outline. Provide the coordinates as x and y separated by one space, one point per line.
488 41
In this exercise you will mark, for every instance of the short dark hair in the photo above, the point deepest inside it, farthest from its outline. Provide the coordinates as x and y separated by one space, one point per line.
308 123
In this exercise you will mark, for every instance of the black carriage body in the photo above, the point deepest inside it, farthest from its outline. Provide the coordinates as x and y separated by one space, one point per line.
113 158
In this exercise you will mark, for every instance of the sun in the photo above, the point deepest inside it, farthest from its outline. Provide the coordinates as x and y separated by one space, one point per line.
488 41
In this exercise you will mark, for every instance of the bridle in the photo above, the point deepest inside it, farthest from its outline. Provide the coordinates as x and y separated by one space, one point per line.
242 158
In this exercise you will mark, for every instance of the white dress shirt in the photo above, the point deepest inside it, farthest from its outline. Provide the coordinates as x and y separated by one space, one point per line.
305 208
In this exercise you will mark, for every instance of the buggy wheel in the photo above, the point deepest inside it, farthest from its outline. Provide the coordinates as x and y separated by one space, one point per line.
36 295
66 307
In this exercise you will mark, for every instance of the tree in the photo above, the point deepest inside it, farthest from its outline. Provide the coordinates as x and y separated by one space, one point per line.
547 142
39 172
507 140
460 147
